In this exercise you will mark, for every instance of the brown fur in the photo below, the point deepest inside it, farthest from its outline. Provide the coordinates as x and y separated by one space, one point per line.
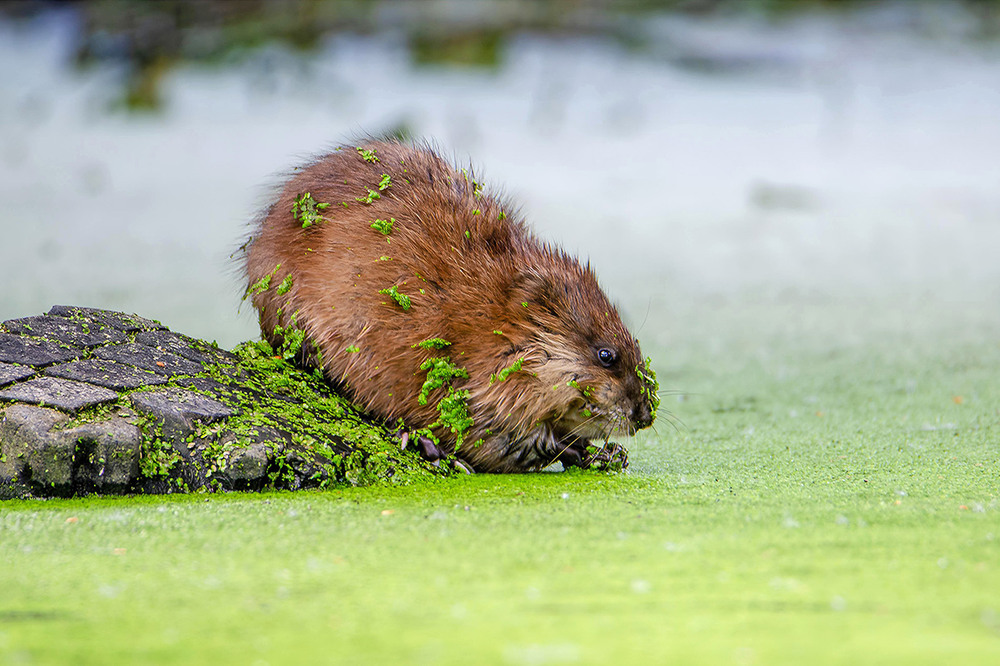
467 274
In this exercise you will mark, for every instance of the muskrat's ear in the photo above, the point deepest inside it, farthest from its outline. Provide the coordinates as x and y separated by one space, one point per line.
535 292
530 287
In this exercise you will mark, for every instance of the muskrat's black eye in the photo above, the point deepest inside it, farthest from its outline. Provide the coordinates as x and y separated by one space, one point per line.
606 356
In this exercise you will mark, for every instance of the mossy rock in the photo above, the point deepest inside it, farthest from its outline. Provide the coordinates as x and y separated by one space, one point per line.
94 401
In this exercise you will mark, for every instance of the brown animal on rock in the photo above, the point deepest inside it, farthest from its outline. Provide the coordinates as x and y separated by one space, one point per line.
428 300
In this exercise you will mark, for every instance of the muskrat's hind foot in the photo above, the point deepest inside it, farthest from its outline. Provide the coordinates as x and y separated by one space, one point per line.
428 449
425 446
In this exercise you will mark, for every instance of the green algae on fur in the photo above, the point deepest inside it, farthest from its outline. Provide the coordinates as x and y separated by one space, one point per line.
383 226
306 210
440 371
587 391
650 387
431 343
368 155
401 299
370 196
292 338
261 285
453 410
508 371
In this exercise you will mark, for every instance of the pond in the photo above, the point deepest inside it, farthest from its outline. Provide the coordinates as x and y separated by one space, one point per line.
728 155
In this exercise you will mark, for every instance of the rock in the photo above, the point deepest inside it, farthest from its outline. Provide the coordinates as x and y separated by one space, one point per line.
64 394
37 453
129 323
110 374
184 346
107 402
227 390
12 373
78 332
34 351
246 466
30 449
150 358
179 411
107 453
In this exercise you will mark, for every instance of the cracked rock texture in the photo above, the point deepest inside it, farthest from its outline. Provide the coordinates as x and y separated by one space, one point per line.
93 401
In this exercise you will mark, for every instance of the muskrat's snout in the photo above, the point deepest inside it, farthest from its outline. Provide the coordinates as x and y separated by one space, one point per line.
646 397
642 414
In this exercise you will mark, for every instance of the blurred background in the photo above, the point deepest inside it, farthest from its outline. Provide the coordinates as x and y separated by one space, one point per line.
698 151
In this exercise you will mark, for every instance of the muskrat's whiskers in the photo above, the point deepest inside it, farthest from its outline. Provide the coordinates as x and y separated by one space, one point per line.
612 427
649 303
673 420
575 431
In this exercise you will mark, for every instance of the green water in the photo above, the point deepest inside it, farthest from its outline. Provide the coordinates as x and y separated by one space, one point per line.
830 497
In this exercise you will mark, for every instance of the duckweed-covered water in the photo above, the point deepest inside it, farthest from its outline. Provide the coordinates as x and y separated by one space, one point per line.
800 217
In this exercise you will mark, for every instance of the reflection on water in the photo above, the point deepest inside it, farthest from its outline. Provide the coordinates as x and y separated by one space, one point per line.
689 155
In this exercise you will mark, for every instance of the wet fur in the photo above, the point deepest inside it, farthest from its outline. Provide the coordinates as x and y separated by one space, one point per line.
472 285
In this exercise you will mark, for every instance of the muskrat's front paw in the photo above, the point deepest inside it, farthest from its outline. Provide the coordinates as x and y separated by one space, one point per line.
612 457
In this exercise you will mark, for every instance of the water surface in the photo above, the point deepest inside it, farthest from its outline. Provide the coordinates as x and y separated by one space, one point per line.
841 156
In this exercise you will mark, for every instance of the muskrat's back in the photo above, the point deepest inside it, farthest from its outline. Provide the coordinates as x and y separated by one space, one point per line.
428 300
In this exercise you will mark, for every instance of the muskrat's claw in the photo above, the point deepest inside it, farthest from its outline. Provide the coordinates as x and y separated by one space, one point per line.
428 449
425 446
463 467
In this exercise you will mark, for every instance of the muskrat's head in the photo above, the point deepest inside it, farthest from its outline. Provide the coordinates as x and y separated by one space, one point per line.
592 380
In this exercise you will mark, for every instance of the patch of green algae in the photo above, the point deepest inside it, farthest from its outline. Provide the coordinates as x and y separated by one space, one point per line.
331 437
828 499
273 393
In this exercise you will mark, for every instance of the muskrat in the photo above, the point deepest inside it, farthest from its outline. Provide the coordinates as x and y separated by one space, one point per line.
430 303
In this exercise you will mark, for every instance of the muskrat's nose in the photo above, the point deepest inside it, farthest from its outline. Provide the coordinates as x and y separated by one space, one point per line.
642 415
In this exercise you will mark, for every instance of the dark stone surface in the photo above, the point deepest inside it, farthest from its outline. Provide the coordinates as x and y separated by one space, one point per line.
154 441
113 375
34 351
63 394
37 454
118 320
207 385
46 460
231 389
77 332
247 465
150 358
182 345
178 410
107 453
12 373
